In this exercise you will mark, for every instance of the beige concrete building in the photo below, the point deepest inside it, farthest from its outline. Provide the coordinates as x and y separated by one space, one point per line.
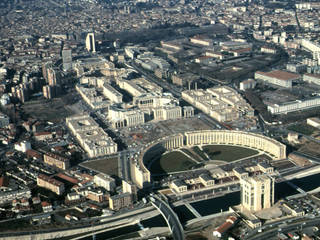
311 78
232 98
201 40
111 93
188 111
277 77
152 100
167 112
90 136
206 180
266 49
247 84
139 86
92 97
293 106
120 117
257 192
50 183
314 122
178 186
130 187
270 146
220 103
94 81
276 150
96 142
171 45
97 195
78 123
56 160
312 47
105 181
90 43
119 201
184 79
140 174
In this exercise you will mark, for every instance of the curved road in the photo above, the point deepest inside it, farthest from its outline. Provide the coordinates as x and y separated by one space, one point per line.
170 217
273 230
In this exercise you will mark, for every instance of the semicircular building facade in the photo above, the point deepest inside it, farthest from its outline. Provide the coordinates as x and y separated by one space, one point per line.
142 177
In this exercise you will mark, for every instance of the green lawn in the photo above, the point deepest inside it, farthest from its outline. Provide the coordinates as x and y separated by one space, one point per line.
108 165
191 155
197 150
171 162
302 128
228 153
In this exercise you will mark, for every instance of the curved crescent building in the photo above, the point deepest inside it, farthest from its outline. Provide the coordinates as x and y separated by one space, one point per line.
271 147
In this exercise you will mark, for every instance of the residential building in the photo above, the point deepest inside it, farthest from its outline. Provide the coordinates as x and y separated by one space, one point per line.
50 183
119 201
105 181
56 160
90 43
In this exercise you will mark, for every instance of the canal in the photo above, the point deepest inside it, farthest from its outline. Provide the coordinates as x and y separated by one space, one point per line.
218 204
205 208
131 231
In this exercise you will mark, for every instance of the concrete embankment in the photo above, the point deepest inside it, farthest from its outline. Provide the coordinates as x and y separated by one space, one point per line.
110 224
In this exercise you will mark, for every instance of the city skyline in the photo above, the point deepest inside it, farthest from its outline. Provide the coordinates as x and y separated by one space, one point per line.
159 119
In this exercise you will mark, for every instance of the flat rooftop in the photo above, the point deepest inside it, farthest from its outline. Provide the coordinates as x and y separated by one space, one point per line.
279 74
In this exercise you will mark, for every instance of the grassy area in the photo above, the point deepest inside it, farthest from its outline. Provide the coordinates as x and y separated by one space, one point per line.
302 128
197 150
47 110
108 165
171 162
15 225
228 153
192 155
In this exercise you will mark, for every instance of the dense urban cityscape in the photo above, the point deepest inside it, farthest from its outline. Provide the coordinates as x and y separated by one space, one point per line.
159 119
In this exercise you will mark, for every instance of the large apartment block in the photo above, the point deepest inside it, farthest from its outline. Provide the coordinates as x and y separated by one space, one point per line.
277 77
50 183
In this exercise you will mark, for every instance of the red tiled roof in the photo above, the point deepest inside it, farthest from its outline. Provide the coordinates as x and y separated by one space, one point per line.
282 75
45 204
67 178
224 227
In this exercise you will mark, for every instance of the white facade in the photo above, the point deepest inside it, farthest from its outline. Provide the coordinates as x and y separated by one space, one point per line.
247 84
92 98
167 112
314 122
22 146
313 47
221 103
111 93
90 136
270 50
105 181
277 77
276 150
125 117
201 41
139 86
257 192
90 43
294 106
311 78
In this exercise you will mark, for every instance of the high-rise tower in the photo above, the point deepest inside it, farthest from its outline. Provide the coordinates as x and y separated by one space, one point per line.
90 43
66 59
257 192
